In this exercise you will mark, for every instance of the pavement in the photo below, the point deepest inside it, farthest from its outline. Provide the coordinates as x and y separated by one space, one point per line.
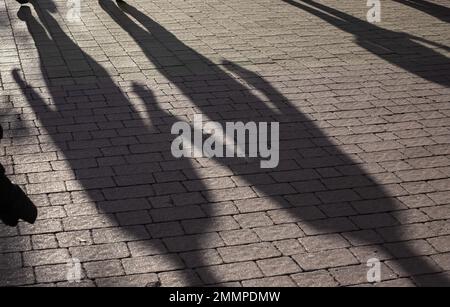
362 186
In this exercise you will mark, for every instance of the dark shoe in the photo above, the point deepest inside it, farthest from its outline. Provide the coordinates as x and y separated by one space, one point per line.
23 207
9 220
18 206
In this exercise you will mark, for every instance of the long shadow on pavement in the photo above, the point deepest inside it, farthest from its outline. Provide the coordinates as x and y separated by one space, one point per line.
114 165
349 202
400 49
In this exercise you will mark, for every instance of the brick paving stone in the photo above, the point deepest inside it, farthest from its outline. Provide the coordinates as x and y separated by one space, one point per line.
182 278
212 224
17 277
48 256
151 264
325 259
100 252
410 248
100 269
314 279
279 232
432 280
201 258
413 266
74 238
323 242
232 272
278 266
248 252
443 260
15 244
193 242
289 247
396 283
239 237
354 275
139 280
146 248
52 273
46 241
278 281
252 220
441 244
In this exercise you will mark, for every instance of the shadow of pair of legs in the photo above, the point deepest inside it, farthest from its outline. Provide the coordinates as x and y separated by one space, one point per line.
117 198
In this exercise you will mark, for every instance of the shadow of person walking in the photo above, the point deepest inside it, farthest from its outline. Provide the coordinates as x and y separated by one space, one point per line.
120 172
438 11
400 49
347 202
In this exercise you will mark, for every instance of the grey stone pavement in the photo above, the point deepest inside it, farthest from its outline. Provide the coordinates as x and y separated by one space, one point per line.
363 108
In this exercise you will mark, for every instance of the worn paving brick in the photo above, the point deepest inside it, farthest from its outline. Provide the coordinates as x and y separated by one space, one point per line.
278 281
201 258
52 273
183 278
74 238
354 275
252 220
17 277
278 266
232 272
325 259
152 264
139 280
239 237
193 242
413 266
318 278
100 269
210 224
279 232
323 242
48 256
100 252
248 252
10 260
46 241
441 244
15 244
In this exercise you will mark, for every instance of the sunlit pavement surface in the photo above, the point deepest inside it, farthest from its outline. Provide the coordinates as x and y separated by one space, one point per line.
363 184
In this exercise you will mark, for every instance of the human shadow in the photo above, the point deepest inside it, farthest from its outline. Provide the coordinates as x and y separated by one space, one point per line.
115 166
433 9
398 48
298 186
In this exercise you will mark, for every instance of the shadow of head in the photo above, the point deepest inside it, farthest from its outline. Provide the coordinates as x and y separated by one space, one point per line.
14 203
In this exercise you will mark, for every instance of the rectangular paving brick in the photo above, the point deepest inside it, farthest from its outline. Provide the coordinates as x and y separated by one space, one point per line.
152 264
100 252
248 252
231 272
325 259
48 256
